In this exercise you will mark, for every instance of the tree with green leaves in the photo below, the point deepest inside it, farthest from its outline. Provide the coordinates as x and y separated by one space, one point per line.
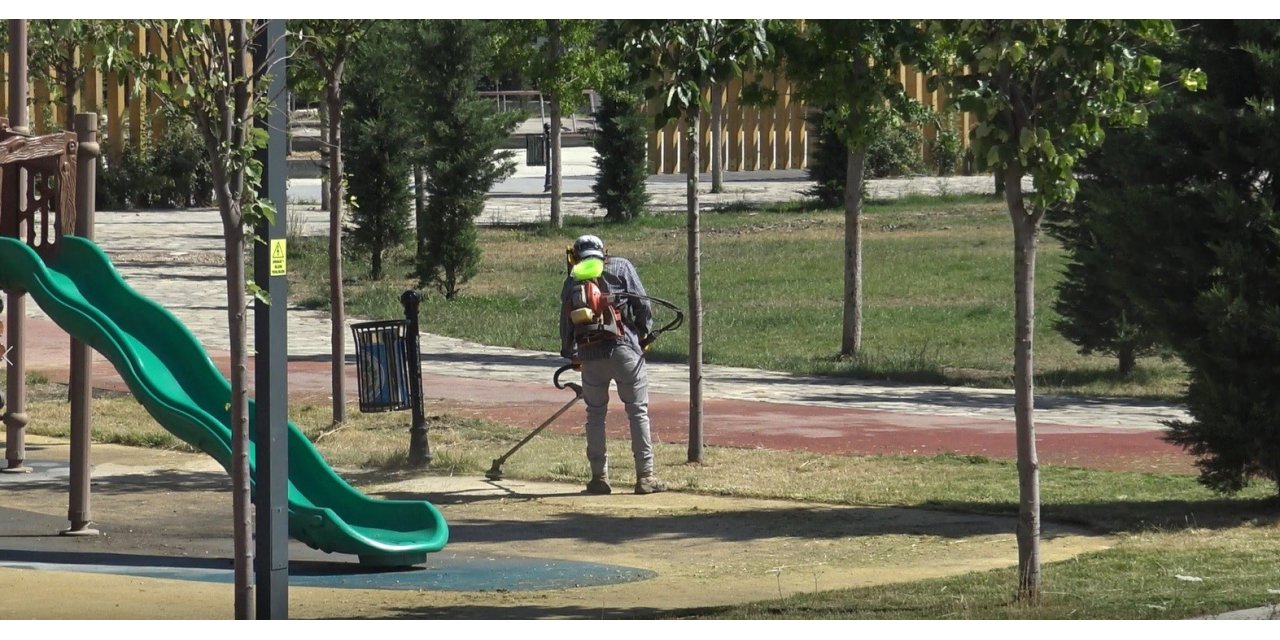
675 55
560 58
223 96
463 134
1042 91
322 51
728 60
850 69
380 143
61 52
1187 211
894 150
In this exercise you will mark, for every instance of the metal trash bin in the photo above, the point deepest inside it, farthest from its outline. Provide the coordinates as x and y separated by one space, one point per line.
535 149
382 368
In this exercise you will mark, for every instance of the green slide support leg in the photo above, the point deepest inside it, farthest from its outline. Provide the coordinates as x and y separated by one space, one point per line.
172 376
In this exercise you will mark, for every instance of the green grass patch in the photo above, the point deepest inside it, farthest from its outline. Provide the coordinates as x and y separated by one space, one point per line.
1167 525
938 294
1138 580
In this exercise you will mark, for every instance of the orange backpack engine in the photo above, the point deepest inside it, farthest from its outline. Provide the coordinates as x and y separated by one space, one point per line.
595 318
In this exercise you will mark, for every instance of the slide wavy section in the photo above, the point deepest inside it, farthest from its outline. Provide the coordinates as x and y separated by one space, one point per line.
173 377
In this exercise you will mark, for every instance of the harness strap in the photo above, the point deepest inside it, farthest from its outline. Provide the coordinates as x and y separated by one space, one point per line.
604 324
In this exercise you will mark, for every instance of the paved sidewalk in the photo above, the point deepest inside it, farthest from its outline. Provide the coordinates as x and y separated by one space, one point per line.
520 199
175 258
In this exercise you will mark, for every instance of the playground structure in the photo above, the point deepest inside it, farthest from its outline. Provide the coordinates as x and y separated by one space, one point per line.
47 250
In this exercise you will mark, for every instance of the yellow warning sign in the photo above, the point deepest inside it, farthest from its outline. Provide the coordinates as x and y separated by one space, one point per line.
278 257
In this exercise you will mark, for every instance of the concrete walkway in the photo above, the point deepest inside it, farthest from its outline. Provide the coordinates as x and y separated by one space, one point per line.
175 258
520 199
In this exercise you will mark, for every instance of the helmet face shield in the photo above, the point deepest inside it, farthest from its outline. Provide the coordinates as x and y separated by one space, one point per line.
588 246
588 269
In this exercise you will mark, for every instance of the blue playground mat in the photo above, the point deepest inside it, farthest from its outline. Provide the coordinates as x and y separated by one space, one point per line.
444 571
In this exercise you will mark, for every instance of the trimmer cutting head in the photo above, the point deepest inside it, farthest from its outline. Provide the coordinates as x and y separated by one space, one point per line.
494 472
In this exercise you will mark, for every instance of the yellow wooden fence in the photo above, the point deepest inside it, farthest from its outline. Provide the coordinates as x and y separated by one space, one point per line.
755 139
777 137
105 93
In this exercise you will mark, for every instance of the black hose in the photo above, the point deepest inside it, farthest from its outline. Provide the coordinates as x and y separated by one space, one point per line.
670 326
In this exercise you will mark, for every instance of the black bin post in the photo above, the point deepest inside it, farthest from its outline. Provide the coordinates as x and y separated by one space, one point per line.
389 371
546 149
419 447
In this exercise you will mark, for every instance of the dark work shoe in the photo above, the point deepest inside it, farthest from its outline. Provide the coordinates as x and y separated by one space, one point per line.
650 484
599 486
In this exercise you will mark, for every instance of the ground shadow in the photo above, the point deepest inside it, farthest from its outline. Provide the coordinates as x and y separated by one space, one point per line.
461 357
522 612
947 519
1085 377
100 558
807 205
809 522
531 361
1123 516
852 391
486 494
159 481
161 270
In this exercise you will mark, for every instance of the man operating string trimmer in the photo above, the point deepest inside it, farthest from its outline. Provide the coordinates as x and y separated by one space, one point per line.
606 326
606 323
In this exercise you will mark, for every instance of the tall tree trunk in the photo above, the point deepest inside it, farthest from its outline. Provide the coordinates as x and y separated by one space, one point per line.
1026 228
556 220
717 138
1128 360
324 154
241 502
695 289
851 334
553 44
236 119
337 302
419 213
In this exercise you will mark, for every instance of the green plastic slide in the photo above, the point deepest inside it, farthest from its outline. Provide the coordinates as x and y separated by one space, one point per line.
171 375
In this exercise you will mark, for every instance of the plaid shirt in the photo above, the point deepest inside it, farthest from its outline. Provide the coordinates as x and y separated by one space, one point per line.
620 276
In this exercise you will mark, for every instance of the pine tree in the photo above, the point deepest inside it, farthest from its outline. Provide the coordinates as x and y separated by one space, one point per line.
1094 312
376 156
1189 212
828 166
1231 397
463 133
620 148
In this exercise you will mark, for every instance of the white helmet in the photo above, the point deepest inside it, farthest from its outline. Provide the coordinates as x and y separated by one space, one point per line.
588 246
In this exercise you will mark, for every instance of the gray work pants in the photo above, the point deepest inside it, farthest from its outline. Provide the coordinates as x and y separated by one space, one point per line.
626 367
